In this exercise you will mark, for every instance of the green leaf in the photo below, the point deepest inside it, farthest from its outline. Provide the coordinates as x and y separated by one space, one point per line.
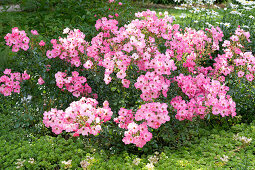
113 88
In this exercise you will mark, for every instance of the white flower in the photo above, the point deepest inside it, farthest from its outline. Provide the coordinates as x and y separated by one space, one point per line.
209 25
66 30
31 160
247 8
233 6
245 140
136 161
185 5
196 10
252 17
26 99
19 163
68 164
84 164
183 15
29 97
153 159
224 159
149 166
245 26
236 12
227 24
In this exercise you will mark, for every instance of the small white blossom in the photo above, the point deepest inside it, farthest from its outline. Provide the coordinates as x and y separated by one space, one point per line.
84 164
153 159
31 160
227 24
68 164
136 161
149 166
183 15
224 158
19 163
66 30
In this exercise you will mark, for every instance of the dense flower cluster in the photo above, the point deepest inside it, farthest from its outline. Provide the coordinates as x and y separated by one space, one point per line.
69 48
17 39
153 114
10 82
244 62
205 96
125 118
151 84
137 134
75 84
82 117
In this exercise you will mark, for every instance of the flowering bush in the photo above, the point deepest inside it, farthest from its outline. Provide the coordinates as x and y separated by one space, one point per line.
82 117
151 55
17 39
11 82
73 84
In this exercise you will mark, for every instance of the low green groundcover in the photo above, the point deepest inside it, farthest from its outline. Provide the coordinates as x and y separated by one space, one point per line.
215 148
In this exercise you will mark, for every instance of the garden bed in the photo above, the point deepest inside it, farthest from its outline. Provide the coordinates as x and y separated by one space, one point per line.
113 85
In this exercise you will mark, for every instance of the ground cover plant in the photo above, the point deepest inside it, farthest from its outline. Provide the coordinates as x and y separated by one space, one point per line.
135 84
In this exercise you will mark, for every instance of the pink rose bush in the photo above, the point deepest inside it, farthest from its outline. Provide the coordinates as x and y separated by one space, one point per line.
81 117
153 114
17 39
75 84
137 134
205 96
152 56
234 58
10 82
69 48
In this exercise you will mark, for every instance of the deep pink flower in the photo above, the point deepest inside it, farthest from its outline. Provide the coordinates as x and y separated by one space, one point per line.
42 43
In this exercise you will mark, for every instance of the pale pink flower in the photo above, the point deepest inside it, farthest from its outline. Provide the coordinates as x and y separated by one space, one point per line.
41 81
34 32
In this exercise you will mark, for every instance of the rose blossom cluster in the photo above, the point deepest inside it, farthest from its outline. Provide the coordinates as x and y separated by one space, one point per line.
17 39
152 115
151 84
137 134
82 117
116 49
244 62
10 82
75 84
125 118
205 96
69 48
